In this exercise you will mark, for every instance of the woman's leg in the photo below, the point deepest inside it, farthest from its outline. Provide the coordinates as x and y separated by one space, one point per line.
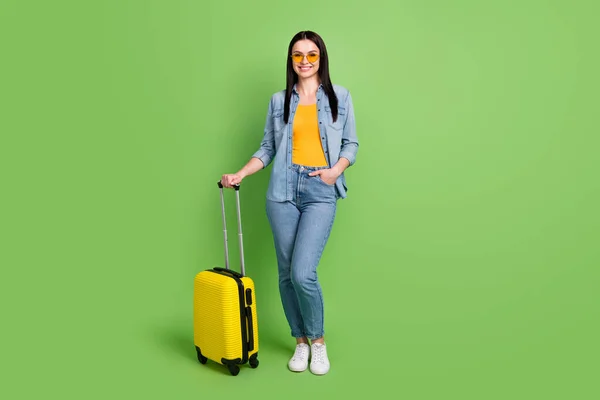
313 232
284 219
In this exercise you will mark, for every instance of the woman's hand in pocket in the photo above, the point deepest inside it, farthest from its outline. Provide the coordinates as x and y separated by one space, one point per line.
329 175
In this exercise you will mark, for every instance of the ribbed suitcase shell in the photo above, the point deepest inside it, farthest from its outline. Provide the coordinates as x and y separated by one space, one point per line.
218 318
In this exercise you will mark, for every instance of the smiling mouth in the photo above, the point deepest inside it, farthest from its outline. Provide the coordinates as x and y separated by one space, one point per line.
305 68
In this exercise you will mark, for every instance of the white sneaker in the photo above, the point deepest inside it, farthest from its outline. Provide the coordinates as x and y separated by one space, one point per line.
319 363
299 361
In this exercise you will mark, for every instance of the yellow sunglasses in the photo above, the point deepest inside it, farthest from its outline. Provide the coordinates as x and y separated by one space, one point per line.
310 57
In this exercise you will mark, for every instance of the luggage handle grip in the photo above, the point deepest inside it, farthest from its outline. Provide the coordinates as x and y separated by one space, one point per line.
236 187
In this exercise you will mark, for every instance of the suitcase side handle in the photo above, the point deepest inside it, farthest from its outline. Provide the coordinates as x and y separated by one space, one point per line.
250 328
239 221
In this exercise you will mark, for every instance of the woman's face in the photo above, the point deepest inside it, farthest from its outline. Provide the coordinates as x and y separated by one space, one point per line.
305 58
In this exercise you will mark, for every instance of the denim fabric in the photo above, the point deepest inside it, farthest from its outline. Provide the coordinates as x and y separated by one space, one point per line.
301 228
338 139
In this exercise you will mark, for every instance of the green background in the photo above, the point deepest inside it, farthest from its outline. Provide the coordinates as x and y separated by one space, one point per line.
463 265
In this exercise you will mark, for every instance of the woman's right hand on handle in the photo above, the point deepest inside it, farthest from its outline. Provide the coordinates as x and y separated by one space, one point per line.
252 166
230 180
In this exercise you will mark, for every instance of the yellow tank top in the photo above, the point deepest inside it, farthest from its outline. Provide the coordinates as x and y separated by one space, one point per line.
306 144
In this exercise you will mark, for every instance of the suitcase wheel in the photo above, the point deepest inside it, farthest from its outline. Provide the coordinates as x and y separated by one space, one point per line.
234 369
253 360
201 358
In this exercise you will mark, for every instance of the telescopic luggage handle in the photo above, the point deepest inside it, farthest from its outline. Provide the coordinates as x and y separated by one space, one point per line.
239 220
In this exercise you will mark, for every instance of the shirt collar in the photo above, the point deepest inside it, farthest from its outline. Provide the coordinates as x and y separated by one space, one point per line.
296 91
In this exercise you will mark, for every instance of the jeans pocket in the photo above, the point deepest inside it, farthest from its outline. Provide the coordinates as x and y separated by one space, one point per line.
323 182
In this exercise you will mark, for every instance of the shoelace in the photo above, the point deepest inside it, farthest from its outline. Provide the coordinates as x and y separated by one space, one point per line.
318 353
301 352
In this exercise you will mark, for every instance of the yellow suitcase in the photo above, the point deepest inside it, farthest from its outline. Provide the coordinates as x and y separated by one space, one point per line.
225 320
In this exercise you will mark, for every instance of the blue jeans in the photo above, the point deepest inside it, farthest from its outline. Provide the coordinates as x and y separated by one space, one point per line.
301 228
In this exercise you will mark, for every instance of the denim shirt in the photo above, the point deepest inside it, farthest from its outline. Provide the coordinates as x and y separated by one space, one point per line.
338 139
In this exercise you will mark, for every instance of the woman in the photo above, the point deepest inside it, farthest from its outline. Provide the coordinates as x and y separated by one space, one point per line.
310 137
